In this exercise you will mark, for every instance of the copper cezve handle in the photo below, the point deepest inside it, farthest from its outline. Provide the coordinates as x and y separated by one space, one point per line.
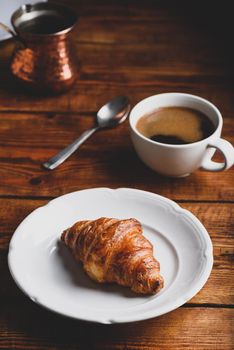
12 33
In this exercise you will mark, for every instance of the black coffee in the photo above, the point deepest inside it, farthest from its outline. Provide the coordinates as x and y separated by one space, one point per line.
45 24
175 125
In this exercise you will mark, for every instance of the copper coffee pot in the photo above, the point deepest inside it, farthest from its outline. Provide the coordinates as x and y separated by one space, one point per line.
43 57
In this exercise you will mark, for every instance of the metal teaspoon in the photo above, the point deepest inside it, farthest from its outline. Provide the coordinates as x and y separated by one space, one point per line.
110 115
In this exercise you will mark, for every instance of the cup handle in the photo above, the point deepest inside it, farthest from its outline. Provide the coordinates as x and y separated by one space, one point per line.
227 151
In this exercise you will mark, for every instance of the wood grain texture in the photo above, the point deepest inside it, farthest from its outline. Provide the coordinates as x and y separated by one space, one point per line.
137 49
28 326
222 234
148 58
27 140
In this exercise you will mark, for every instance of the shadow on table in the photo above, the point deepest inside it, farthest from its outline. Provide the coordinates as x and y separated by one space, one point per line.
41 329
124 168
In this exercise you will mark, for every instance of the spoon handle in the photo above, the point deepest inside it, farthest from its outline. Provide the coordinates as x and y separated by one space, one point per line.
60 157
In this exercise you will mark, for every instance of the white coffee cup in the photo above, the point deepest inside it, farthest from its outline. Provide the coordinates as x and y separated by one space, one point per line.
181 160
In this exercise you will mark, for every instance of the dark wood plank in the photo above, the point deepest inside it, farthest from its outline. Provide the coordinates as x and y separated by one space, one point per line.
155 54
52 130
106 78
27 326
146 59
27 140
138 49
216 218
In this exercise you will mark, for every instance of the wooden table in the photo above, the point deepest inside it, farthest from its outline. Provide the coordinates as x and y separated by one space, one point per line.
137 48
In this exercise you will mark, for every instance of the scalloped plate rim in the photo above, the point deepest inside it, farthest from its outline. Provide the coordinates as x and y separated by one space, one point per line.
174 206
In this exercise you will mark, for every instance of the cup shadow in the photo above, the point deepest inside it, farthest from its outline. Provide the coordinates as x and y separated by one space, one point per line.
81 280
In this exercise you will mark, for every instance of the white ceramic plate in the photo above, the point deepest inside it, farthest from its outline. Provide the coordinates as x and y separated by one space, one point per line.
46 271
7 7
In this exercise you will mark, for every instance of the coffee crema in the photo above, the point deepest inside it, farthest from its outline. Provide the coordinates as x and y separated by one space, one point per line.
175 125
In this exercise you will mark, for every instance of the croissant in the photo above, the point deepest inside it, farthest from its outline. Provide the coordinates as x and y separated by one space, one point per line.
114 250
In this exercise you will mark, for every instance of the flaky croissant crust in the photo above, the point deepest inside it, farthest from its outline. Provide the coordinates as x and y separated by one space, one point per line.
113 250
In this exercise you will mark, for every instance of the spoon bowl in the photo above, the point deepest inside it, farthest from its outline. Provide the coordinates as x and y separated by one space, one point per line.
113 112
110 115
